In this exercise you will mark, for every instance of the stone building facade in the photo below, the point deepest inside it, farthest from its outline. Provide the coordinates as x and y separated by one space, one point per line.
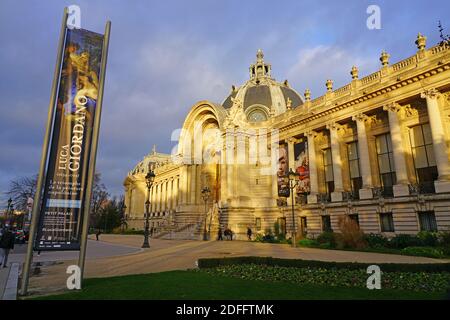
376 149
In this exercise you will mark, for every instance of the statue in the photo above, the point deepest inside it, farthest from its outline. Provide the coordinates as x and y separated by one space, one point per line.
236 116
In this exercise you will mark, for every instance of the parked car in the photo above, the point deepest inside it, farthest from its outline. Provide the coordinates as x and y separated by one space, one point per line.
20 236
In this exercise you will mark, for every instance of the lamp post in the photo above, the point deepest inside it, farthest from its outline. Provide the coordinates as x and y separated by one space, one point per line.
292 179
8 210
123 216
205 196
149 179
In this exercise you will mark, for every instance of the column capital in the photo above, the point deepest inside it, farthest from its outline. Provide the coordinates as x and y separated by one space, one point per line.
333 126
360 117
310 134
431 93
392 107
291 140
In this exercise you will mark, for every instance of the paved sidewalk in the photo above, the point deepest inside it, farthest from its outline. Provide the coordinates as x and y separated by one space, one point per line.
165 255
4 273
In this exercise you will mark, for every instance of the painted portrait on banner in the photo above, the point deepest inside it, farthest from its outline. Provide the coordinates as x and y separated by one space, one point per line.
302 166
283 169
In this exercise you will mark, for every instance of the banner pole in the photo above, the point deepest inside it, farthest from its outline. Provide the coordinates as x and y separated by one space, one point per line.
41 174
93 155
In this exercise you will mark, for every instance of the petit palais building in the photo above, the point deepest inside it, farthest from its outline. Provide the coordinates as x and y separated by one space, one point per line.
376 149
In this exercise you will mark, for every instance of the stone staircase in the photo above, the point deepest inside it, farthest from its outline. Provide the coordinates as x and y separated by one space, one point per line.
190 226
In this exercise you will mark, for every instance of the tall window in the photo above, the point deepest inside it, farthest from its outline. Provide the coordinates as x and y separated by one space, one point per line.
303 225
354 217
328 170
258 224
422 150
386 163
387 222
427 221
326 224
353 164
282 225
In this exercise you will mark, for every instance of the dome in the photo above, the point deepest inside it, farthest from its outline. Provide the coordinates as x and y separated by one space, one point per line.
263 93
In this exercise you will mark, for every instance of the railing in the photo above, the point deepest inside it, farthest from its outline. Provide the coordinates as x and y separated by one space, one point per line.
317 101
370 78
437 49
404 63
343 90
422 188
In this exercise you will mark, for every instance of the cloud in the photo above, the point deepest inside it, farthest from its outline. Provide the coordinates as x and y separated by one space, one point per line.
315 65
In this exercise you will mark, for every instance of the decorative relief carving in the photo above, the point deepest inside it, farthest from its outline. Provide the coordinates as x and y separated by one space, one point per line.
430 94
236 116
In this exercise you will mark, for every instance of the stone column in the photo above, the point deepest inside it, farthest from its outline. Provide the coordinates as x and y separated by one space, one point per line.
313 180
193 181
364 160
183 184
230 158
337 161
401 188
158 197
439 143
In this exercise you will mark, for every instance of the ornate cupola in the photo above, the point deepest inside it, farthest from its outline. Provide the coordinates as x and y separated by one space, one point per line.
260 69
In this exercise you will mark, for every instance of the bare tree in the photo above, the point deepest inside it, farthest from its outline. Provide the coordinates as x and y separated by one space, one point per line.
21 189
445 39
100 198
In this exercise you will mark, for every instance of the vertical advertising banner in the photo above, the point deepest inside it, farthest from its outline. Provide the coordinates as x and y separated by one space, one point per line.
60 218
302 166
283 170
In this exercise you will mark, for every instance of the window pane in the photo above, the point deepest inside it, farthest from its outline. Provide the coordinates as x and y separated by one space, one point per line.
383 161
416 136
420 157
329 173
430 154
381 144
427 133
387 179
327 157
389 142
391 161
352 150
354 169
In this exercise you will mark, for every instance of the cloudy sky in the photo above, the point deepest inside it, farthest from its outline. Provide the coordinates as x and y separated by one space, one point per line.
166 55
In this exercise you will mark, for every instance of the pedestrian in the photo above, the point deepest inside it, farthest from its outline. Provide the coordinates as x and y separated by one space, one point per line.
97 234
249 234
219 235
6 244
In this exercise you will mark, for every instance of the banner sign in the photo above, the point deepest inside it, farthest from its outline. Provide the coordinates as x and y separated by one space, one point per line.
61 214
302 166
283 170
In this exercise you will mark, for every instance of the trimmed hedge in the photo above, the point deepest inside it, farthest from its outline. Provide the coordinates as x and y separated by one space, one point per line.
299 263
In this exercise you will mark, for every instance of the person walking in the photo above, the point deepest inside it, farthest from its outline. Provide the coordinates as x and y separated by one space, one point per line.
249 234
6 244
219 235
97 234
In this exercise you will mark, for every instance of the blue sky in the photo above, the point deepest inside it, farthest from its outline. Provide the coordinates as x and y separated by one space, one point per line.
166 55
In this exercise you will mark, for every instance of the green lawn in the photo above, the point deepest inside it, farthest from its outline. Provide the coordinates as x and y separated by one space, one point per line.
199 285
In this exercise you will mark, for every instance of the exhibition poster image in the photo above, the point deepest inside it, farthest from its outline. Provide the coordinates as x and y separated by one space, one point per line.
302 166
283 170
60 218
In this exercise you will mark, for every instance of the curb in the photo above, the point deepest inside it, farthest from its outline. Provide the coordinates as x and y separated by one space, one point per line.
13 280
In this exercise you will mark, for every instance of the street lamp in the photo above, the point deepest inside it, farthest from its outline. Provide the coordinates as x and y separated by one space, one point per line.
205 196
149 179
8 210
123 217
292 179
